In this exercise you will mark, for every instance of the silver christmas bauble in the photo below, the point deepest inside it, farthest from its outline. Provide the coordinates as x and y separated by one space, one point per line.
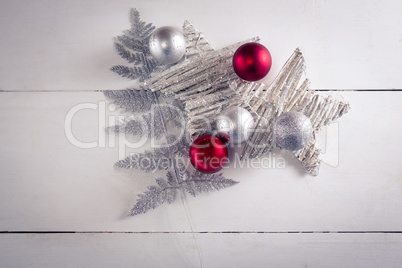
292 131
235 122
167 45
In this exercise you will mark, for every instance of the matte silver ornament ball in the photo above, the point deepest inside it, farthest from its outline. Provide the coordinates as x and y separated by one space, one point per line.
167 45
292 131
235 122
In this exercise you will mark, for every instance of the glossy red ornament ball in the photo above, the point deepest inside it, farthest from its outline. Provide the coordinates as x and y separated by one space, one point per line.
252 61
208 154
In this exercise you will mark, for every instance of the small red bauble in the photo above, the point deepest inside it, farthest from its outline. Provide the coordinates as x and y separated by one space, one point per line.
208 154
252 61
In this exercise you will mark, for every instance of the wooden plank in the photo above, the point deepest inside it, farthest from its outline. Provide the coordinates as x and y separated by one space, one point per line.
56 45
216 250
49 184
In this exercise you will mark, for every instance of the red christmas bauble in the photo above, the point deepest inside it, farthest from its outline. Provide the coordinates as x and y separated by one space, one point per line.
208 154
252 61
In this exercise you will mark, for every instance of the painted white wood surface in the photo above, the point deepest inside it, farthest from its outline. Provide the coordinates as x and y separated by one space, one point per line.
217 250
49 184
68 45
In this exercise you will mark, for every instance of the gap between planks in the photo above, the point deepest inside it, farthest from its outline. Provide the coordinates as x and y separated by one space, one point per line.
89 90
201 232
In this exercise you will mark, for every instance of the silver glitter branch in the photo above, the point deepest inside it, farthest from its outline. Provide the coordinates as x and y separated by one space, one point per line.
145 122
152 123
156 195
133 47
150 118
166 190
205 183
131 100
159 158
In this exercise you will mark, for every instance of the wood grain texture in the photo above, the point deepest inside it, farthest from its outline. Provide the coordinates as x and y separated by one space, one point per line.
56 54
216 250
49 184
56 45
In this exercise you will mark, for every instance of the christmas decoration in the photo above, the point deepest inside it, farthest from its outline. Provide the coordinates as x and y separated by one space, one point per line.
150 118
236 123
288 92
167 45
292 131
201 81
208 154
194 91
252 61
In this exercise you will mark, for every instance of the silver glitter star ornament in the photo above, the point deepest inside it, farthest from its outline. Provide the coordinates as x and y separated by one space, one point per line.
288 92
207 84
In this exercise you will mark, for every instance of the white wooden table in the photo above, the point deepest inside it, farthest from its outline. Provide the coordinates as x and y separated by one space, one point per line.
62 206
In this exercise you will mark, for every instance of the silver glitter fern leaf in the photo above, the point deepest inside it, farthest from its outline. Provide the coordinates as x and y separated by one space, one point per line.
151 118
159 158
205 183
166 190
132 46
132 100
152 124
154 197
